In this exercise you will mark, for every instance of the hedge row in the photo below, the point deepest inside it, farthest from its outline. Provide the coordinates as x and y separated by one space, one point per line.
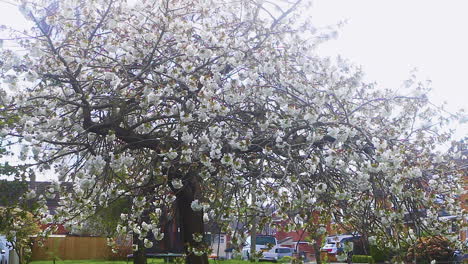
363 259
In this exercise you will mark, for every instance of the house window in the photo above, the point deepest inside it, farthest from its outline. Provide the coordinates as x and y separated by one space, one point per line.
454 227
208 239
218 239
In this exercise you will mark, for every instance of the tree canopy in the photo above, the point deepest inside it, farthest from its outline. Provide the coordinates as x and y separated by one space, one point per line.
195 103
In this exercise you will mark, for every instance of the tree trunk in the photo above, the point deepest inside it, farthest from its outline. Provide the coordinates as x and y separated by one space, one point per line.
253 239
318 258
19 252
139 256
191 223
253 230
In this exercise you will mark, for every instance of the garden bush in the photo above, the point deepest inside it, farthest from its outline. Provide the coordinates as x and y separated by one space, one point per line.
122 248
430 248
362 259
379 254
285 259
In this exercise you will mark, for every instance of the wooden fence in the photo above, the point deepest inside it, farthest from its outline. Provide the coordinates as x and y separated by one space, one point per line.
71 248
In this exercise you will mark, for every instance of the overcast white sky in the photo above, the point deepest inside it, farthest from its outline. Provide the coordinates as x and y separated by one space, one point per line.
388 39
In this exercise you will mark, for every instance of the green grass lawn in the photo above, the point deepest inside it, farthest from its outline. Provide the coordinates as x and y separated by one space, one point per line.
80 262
86 262
150 261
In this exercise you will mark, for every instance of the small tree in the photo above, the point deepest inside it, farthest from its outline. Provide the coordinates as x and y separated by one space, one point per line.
18 225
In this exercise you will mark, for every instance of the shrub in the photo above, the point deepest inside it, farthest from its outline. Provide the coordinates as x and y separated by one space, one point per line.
361 246
379 254
236 255
430 248
362 259
123 247
285 259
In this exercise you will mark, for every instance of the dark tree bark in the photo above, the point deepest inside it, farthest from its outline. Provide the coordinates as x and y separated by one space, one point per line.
318 258
191 222
253 230
139 256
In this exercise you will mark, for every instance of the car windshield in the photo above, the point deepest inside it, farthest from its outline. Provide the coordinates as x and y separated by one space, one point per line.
263 240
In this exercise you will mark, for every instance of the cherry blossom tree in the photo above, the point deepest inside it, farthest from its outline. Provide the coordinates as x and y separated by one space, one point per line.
188 104
390 208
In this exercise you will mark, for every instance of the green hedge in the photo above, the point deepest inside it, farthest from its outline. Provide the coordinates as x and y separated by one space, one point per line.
362 259
285 259
379 255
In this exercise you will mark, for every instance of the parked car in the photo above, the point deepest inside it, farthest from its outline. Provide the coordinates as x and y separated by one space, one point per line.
266 244
334 244
284 251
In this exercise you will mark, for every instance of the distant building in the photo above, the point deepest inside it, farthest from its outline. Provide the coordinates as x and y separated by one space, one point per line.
11 191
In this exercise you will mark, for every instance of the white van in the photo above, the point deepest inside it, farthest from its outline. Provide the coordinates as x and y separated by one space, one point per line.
284 252
335 244
266 244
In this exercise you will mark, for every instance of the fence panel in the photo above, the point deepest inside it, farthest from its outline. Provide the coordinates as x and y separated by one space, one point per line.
71 248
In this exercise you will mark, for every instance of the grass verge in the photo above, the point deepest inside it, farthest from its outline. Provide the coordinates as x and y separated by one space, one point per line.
150 261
